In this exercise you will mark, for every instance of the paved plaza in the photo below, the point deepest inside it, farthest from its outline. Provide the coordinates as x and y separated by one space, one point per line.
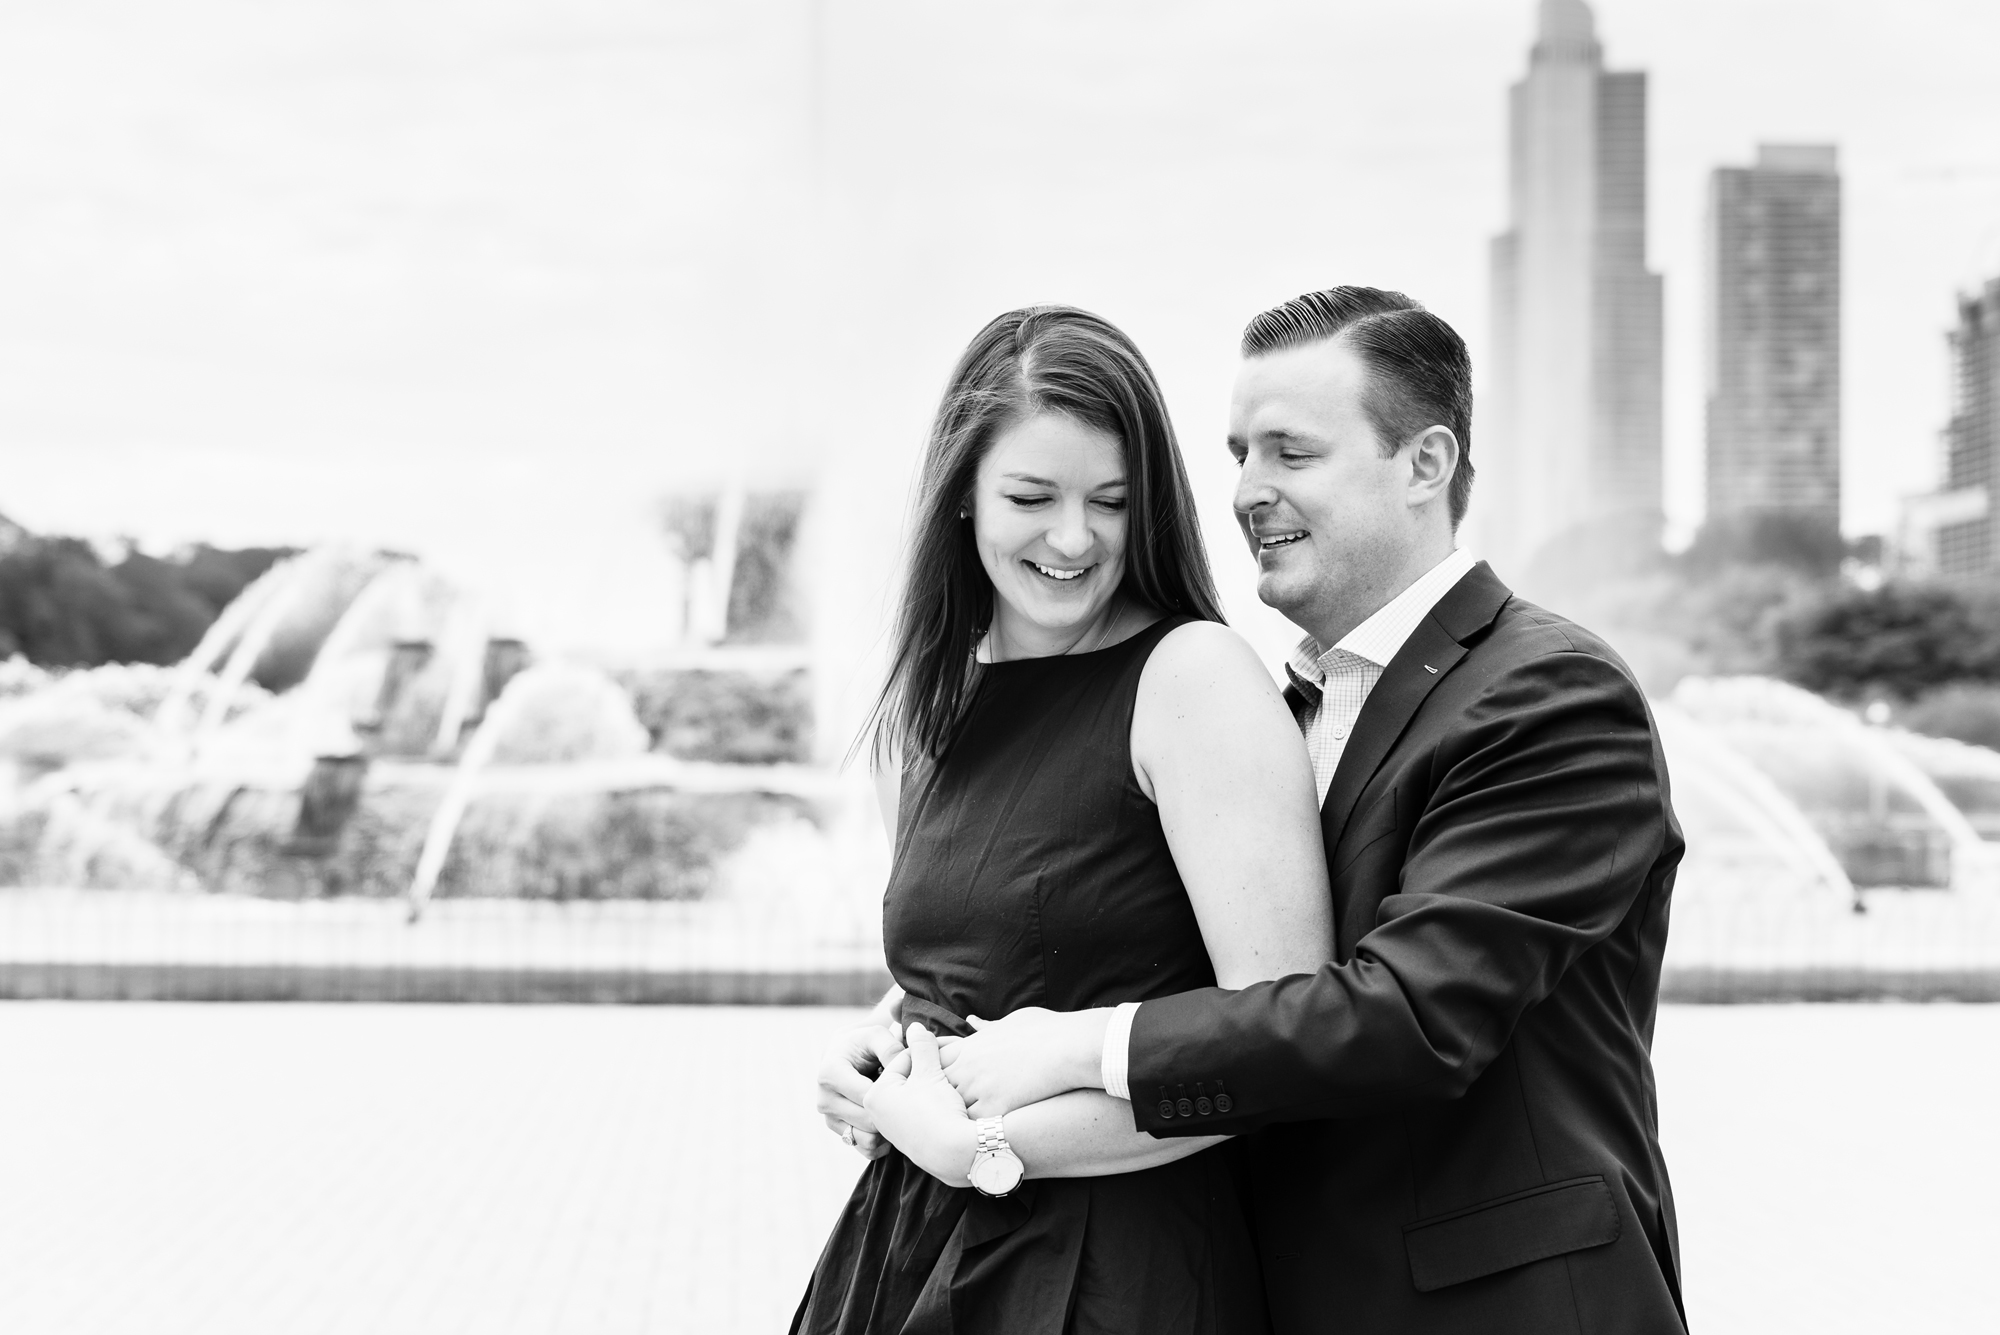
266 1170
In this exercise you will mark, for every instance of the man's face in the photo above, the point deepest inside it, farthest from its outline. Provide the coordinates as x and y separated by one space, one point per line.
1327 516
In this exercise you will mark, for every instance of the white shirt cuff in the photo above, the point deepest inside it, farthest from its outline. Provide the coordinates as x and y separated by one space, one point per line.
1118 1051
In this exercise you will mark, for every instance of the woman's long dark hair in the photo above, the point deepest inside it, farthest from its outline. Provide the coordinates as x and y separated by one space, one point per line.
1040 359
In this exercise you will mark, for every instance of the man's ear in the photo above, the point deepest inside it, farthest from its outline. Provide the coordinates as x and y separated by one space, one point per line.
1433 461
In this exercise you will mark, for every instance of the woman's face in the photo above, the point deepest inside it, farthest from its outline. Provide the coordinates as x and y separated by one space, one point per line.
1048 515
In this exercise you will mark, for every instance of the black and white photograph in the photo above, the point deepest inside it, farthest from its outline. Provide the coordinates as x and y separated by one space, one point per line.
933 667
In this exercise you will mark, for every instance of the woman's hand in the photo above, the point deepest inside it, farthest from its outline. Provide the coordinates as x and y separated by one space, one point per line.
916 1108
1023 1058
845 1075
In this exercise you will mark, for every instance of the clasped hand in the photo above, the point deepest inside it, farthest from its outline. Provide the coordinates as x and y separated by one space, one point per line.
916 1109
927 1094
1030 1055
846 1073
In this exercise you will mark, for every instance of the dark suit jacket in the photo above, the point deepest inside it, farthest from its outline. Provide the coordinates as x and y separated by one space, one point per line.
1458 1117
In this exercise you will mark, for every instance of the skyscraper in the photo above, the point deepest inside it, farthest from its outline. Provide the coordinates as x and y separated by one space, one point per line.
1569 442
1774 340
1972 441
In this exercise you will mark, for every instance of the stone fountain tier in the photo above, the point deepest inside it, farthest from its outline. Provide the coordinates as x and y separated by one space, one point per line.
640 828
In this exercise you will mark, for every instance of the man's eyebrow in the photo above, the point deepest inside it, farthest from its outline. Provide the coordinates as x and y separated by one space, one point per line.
1276 435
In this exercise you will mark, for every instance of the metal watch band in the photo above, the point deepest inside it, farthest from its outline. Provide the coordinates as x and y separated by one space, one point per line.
991 1135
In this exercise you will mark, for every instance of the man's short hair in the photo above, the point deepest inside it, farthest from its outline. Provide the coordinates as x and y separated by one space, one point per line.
1419 374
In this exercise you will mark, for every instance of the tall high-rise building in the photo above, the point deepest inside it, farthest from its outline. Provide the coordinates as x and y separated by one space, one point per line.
1568 445
1972 441
1774 340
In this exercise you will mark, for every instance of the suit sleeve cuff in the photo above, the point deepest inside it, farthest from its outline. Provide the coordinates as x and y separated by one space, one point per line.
1115 1063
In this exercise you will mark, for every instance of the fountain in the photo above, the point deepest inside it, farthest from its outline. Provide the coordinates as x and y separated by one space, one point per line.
419 795
1701 763
1824 858
1883 815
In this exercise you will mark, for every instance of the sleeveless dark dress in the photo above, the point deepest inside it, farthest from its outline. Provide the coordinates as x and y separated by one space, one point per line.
1031 870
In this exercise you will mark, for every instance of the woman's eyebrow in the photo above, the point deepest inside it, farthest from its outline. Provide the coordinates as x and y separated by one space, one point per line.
1032 480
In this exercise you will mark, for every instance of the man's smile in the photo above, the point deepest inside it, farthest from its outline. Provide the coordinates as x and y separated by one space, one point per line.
1273 541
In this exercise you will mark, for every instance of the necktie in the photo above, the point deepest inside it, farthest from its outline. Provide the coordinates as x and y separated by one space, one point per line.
1302 695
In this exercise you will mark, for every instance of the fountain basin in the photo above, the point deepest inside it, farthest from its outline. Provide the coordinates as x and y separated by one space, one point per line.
639 828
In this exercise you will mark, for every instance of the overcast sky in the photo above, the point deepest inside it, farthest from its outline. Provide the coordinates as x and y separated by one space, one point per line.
468 276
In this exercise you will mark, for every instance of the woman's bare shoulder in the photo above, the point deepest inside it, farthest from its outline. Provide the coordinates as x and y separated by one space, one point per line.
1202 657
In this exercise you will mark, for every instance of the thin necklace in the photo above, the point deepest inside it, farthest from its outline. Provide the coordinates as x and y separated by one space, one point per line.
1103 632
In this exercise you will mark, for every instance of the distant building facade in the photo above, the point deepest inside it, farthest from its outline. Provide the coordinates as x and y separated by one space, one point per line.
1972 441
1568 445
1774 339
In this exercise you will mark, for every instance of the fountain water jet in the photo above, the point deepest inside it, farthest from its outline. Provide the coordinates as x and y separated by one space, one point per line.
1719 704
465 645
395 591
594 721
225 630
1771 815
257 636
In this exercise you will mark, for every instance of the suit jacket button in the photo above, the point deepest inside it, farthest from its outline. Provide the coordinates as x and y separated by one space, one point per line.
1204 1107
1185 1107
1223 1103
1166 1107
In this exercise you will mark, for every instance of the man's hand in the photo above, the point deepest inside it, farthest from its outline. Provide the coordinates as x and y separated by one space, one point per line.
845 1075
916 1108
1031 1055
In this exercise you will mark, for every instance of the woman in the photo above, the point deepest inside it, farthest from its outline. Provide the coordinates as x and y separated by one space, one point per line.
1099 797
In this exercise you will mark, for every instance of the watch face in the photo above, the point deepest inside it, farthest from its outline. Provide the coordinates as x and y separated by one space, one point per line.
996 1173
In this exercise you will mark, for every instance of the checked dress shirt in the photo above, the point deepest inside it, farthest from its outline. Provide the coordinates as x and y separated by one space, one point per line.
1329 687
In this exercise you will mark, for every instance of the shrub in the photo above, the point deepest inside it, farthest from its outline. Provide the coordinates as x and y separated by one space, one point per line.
561 712
741 717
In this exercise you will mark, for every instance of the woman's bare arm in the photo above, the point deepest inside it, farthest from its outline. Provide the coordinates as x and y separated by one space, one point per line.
1216 749
1078 1134
1088 1133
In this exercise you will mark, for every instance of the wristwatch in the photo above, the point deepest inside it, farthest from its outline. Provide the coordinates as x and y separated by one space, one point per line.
996 1169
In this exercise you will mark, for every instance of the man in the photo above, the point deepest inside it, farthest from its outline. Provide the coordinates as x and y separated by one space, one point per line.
1457 1113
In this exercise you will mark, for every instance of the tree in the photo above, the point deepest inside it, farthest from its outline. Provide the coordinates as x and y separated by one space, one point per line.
60 606
1901 639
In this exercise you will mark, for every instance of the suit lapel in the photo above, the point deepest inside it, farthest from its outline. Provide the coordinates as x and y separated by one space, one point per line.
1425 659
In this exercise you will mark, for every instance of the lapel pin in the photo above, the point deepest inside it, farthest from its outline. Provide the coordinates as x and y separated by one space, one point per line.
1428 668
